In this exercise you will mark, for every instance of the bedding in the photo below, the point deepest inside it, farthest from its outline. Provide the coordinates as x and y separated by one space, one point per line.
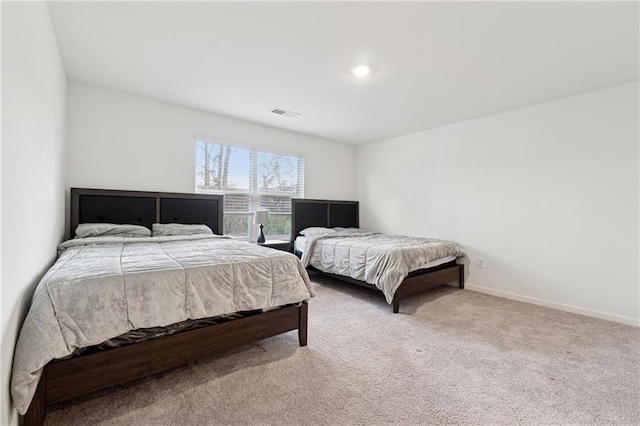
110 229
300 242
104 287
170 229
317 230
379 259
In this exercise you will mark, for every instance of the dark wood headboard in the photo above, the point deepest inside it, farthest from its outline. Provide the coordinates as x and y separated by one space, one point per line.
325 213
144 208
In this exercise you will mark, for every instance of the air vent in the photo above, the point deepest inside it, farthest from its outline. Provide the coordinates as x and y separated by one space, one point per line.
285 113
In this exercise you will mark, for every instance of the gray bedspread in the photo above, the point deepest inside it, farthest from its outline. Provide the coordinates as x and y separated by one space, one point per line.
379 259
100 288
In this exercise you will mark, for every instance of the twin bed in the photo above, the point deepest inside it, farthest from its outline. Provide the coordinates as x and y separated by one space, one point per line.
398 266
114 309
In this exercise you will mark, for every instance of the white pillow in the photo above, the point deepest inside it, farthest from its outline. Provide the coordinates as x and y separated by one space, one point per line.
169 229
110 229
317 230
340 229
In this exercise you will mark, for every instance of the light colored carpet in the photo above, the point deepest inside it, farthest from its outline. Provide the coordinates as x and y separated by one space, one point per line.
450 357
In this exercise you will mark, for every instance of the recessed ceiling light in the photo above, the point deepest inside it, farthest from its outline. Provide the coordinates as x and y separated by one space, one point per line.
361 70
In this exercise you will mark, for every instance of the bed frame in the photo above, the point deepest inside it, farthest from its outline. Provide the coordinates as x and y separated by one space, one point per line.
331 213
65 379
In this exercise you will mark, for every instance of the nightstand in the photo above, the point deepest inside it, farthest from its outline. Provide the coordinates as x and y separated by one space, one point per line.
277 244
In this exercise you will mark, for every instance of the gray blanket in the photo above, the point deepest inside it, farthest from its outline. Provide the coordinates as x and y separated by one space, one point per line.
102 287
379 259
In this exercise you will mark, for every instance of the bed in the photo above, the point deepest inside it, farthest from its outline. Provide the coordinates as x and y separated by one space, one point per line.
86 370
442 266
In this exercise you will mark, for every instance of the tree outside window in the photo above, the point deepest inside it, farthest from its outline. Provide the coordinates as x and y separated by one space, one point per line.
250 180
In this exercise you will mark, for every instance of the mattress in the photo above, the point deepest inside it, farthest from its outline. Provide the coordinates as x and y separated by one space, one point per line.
300 243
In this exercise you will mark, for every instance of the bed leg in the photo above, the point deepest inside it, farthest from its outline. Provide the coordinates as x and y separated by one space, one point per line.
38 409
302 323
461 277
396 305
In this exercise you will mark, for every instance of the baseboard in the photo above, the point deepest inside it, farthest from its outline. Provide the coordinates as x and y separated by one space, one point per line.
555 305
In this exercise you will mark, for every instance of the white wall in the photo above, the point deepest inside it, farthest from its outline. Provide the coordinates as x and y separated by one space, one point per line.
547 195
119 141
33 124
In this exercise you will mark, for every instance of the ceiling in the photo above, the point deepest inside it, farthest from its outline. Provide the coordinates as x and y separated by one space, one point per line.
435 63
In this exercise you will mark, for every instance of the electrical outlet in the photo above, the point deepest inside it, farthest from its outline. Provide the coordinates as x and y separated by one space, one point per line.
480 263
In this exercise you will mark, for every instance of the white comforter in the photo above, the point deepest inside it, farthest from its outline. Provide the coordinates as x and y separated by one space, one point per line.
379 259
100 288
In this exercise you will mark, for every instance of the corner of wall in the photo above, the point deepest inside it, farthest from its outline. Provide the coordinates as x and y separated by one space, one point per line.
34 103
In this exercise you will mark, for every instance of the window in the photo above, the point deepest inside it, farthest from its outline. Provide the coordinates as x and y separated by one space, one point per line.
250 180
